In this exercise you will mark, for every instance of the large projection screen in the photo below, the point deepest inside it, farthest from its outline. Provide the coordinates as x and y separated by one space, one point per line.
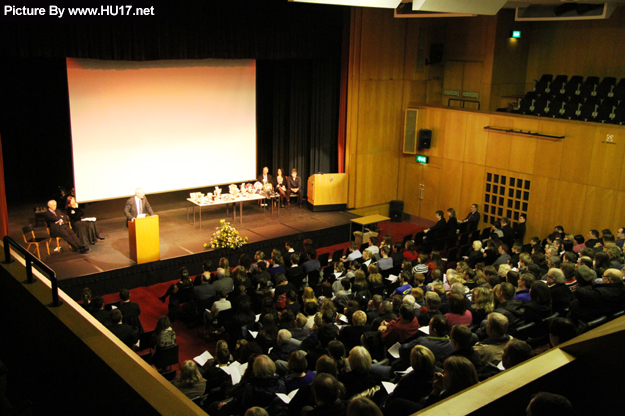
161 125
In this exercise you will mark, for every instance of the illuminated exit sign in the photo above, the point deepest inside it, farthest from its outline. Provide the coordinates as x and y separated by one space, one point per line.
423 159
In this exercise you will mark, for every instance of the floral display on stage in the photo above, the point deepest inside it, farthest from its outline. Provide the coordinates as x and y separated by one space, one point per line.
226 236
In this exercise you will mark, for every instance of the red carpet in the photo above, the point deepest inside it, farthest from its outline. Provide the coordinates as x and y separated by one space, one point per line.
191 341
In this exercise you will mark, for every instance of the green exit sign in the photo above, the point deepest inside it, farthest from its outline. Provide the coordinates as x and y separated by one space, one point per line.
423 159
516 34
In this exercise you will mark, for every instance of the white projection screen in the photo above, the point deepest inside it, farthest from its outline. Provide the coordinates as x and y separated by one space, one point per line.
161 125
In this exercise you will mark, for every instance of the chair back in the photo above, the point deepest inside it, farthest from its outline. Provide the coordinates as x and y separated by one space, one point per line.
313 278
336 256
167 356
146 341
323 259
186 294
169 375
28 229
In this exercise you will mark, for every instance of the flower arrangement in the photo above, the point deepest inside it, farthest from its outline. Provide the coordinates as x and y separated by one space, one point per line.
226 237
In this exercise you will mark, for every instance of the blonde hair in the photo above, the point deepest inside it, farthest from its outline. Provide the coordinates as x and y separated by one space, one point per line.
359 318
189 374
309 295
359 360
417 292
422 360
483 299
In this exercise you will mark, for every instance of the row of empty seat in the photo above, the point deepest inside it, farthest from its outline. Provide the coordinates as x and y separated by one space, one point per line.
576 99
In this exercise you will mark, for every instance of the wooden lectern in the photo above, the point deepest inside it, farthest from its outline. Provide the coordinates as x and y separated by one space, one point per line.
144 240
327 191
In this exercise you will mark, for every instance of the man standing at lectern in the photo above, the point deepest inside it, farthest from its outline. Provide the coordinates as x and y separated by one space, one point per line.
137 205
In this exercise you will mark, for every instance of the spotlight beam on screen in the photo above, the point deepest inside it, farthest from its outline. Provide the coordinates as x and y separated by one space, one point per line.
161 125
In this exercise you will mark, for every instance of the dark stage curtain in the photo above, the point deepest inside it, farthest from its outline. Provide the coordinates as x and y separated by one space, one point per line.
297 115
298 50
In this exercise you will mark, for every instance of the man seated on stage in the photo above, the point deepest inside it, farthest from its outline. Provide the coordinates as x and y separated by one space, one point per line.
137 205
265 177
294 186
58 223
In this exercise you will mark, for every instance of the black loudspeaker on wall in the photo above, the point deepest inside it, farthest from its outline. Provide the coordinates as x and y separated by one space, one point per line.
425 138
396 211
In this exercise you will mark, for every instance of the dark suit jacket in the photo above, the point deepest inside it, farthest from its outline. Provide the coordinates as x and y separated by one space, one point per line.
131 208
473 219
52 219
293 183
269 178
125 333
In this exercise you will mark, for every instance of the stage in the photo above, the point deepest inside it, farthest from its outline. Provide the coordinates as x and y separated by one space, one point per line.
107 267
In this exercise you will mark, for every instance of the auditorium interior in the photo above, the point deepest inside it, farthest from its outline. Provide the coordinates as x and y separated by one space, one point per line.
339 90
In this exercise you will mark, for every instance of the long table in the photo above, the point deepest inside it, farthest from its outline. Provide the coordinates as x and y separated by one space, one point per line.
240 201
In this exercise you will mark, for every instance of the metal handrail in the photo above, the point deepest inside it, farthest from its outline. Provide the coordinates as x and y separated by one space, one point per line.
30 259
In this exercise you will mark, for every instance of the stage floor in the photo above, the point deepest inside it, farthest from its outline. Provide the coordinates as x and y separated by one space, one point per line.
178 237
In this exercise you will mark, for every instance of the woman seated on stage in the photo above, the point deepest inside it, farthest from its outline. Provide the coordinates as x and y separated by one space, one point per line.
280 187
87 231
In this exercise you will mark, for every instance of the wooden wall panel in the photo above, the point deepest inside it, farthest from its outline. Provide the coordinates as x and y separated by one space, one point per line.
435 120
596 45
548 157
455 135
606 163
477 138
376 175
472 191
431 179
537 215
523 148
412 178
619 209
383 43
381 116
499 144
599 209
576 151
565 201
472 78
450 187
452 79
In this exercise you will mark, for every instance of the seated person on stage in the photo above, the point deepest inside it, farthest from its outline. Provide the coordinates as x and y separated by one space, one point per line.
280 187
58 223
137 205
294 185
87 231
265 177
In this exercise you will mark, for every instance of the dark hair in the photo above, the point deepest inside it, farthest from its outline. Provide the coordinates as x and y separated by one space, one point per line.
563 328
512 277
440 324
326 388
245 261
457 304
310 308
462 335
162 324
223 355
548 404
326 365
594 233
325 334
297 362
579 239
124 294
540 293
207 264
363 406
518 351
97 302
406 312
115 316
